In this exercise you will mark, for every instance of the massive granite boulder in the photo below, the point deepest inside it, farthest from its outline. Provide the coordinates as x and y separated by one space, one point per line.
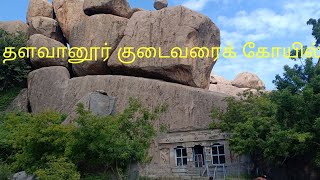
14 26
69 13
51 93
40 41
169 28
188 108
116 7
39 8
248 80
45 26
95 31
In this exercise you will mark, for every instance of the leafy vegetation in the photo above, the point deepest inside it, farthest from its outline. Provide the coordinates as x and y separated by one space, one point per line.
7 96
5 171
13 73
40 144
58 169
315 32
281 127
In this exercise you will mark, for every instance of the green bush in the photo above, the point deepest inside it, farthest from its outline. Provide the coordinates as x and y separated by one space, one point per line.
13 73
35 139
58 169
7 96
113 142
5 171
40 144
97 176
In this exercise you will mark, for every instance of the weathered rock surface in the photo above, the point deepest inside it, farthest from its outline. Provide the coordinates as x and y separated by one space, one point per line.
160 4
95 31
250 83
14 26
39 8
169 28
215 79
23 176
98 103
69 13
116 7
188 108
229 89
45 26
39 41
248 80
51 92
20 103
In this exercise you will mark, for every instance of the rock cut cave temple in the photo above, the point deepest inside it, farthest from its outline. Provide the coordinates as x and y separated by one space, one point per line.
202 153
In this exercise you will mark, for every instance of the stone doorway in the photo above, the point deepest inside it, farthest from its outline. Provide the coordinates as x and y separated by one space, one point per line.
198 154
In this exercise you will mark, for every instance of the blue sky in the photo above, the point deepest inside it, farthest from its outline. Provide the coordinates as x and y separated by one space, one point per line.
267 23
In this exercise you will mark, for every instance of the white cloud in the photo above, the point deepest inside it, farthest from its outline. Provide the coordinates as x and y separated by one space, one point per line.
199 5
238 39
260 20
284 26
264 23
196 5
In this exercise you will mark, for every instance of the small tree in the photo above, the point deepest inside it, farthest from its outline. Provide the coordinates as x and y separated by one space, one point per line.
315 32
279 126
113 142
13 73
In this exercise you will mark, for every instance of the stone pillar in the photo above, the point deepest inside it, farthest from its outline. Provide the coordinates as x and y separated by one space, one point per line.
190 157
172 161
208 157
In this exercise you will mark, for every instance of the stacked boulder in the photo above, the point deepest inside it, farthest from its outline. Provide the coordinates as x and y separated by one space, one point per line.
243 82
69 13
181 83
40 8
44 31
93 23
168 28
47 27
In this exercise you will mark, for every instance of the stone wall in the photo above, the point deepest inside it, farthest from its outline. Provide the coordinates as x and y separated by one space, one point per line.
164 156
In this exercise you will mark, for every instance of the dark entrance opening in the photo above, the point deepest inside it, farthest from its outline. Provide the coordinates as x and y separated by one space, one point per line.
198 156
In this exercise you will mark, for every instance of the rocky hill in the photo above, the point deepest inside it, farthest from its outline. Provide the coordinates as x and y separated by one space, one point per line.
56 84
